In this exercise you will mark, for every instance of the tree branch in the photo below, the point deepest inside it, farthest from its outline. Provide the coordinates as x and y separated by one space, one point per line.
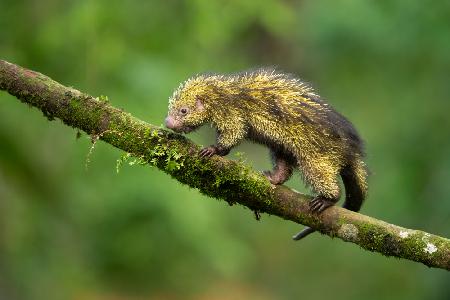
216 177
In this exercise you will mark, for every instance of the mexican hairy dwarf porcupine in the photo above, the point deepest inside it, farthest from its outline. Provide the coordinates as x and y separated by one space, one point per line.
274 109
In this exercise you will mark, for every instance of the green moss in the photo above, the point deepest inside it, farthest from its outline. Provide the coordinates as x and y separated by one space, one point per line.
102 98
74 104
376 238
371 237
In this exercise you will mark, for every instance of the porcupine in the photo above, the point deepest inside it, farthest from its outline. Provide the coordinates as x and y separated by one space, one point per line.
285 114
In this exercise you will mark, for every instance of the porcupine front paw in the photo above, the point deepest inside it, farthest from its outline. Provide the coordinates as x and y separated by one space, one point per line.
208 151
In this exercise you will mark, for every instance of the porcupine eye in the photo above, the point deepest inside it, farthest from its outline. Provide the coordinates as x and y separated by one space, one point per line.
183 110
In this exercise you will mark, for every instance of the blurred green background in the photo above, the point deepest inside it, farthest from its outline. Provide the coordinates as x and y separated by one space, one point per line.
71 233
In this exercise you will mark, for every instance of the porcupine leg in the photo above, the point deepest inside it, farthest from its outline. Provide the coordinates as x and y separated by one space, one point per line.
323 178
283 167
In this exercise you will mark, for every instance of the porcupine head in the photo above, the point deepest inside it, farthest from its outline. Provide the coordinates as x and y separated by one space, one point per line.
187 108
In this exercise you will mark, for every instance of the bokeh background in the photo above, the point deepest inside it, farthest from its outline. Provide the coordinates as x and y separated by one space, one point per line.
67 232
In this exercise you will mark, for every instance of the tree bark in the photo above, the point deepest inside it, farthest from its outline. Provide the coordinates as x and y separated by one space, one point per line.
216 177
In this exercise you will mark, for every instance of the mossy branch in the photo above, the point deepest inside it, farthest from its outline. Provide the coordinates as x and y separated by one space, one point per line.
217 177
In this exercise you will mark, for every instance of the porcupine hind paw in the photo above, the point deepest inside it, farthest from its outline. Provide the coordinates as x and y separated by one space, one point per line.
320 203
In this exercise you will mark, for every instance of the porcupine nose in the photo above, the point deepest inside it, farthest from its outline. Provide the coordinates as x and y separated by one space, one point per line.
169 122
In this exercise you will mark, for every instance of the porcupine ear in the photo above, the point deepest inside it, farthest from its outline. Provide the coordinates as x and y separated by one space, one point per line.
199 104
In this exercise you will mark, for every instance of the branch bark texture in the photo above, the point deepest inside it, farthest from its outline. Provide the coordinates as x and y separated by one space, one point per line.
216 177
